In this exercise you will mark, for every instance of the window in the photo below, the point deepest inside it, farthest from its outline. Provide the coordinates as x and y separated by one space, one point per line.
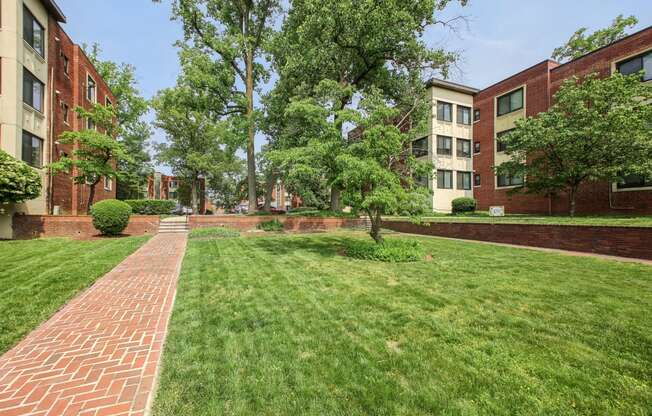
33 91
173 184
108 183
477 180
173 195
510 102
476 147
444 145
476 115
66 65
107 102
463 115
420 147
32 150
637 64
445 179
505 180
444 111
91 90
90 124
65 109
502 147
33 32
463 148
635 181
464 181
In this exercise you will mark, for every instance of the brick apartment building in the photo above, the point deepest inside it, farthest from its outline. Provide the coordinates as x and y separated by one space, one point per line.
44 75
161 186
465 123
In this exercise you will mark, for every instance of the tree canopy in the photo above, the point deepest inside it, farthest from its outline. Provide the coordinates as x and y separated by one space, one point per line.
596 130
19 182
580 43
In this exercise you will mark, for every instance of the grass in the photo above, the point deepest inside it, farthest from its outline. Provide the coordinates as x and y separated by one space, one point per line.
285 325
37 277
598 220
214 232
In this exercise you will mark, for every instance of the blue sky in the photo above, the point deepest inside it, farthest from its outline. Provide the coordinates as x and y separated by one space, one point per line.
502 37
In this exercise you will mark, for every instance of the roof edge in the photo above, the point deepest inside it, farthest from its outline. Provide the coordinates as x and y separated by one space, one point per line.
453 86
54 10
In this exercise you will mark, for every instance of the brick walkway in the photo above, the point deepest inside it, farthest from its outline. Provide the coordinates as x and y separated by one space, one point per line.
99 354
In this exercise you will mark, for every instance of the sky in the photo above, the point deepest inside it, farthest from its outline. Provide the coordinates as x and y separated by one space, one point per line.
497 39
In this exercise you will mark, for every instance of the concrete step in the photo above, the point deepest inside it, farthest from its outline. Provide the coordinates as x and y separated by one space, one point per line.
173 227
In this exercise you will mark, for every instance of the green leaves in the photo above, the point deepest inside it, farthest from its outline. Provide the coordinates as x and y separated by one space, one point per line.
597 130
18 181
579 44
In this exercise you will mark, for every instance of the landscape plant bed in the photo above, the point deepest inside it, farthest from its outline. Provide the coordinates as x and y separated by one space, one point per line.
286 325
38 277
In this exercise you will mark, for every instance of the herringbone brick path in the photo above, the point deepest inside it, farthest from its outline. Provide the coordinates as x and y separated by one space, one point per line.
99 354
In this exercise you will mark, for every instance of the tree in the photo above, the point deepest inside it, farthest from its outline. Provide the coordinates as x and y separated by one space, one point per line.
18 181
596 130
358 45
231 35
580 44
377 171
134 132
95 150
197 144
228 189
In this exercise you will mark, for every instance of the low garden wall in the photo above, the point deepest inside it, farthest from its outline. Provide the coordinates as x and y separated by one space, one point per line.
78 226
635 242
243 222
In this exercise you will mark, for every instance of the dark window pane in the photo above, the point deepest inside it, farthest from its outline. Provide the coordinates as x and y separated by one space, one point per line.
464 180
32 91
635 181
32 150
500 146
420 147
444 145
631 66
463 115
510 102
444 179
477 180
505 180
647 66
463 148
444 111
33 32
503 105
476 147
476 115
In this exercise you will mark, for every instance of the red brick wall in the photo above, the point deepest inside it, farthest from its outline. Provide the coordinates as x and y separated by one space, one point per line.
542 81
71 91
614 241
44 226
244 223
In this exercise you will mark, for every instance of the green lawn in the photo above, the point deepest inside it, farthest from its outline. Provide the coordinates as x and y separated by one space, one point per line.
601 220
37 277
284 325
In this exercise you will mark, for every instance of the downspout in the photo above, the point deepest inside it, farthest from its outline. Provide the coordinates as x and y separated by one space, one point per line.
51 137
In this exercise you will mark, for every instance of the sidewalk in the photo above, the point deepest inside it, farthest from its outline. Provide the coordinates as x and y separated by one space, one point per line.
99 355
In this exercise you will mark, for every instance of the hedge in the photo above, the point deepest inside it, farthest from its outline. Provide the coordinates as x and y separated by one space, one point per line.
463 204
151 206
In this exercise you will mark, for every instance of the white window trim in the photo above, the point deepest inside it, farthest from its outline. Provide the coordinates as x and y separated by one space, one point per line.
94 100
614 188
110 182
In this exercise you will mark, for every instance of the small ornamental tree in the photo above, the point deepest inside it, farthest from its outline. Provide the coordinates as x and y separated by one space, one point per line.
377 170
96 150
598 129
18 181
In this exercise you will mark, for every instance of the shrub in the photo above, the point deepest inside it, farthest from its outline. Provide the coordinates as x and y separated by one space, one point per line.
18 181
111 216
391 251
273 225
208 212
151 206
321 213
464 204
214 232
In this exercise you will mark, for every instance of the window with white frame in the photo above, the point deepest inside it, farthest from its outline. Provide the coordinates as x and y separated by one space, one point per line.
33 91
91 89
108 183
33 32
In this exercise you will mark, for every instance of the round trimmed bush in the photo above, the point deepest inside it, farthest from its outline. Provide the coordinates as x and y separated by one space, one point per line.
110 216
391 251
464 204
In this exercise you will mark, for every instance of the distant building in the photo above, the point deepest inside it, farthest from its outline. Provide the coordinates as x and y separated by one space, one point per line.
44 75
161 186
465 124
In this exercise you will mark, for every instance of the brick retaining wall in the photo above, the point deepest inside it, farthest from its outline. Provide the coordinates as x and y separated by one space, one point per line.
80 226
635 242
244 223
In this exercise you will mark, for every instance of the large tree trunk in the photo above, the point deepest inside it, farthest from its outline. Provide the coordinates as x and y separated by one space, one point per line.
91 197
251 151
193 197
336 193
269 189
572 195
375 227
